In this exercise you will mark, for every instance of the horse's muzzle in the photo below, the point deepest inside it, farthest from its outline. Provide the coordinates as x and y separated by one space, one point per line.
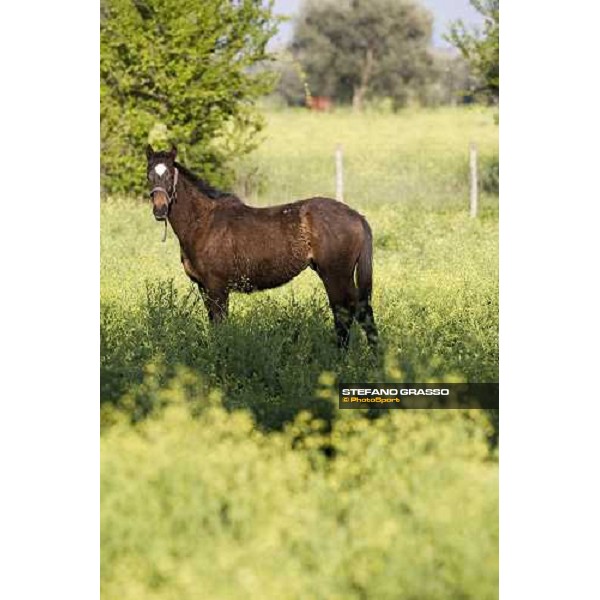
160 214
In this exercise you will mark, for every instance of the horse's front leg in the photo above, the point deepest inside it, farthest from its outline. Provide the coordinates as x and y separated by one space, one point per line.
216 302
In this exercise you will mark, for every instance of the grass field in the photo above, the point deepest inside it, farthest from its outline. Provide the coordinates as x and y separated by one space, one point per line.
240 501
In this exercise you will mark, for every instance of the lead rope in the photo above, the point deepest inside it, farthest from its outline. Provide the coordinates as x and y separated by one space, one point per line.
176 174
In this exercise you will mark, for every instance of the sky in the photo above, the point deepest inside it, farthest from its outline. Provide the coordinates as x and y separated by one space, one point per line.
444 11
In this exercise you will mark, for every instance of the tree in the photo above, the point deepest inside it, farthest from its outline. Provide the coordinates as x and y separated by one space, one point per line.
351 49
292 86
482 49
451 81
183 70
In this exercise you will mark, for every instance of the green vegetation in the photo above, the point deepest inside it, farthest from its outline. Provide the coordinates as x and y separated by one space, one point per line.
352 49
183 71
482 49
213 508
373 52
245 480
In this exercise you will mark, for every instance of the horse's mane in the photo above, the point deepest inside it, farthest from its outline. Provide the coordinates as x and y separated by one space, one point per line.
207 189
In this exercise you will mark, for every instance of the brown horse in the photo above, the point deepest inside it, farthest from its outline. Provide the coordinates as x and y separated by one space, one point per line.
227 245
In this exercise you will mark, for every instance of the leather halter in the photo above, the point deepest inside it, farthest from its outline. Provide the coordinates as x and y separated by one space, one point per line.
170 197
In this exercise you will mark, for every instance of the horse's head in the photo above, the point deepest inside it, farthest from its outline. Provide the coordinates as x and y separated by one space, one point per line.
162 175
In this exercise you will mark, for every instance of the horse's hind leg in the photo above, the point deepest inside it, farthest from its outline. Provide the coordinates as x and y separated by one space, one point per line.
366 320
342 294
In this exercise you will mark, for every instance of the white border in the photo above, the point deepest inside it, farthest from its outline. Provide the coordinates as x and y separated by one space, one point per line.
549 300
49 452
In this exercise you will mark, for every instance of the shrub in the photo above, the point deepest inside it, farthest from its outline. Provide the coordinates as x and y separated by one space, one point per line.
214 508
185 67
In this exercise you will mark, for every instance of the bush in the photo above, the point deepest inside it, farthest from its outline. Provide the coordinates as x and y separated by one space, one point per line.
188 68
214 508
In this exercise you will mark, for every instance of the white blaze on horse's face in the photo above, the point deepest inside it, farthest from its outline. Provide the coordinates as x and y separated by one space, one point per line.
160 169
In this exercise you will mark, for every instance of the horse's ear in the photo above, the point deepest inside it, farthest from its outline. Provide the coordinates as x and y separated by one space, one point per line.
149 151
173 151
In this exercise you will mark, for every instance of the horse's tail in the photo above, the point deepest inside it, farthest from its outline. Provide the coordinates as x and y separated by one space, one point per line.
364 267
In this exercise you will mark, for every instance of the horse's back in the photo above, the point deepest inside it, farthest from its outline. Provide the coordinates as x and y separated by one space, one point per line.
268 246
323 229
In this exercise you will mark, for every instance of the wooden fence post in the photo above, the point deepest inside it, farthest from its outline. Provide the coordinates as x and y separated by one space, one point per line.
473 169
339 174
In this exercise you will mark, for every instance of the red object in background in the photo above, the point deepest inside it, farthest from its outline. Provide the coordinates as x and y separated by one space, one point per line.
319 103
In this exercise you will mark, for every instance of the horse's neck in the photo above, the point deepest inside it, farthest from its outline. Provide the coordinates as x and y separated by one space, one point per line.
189 210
